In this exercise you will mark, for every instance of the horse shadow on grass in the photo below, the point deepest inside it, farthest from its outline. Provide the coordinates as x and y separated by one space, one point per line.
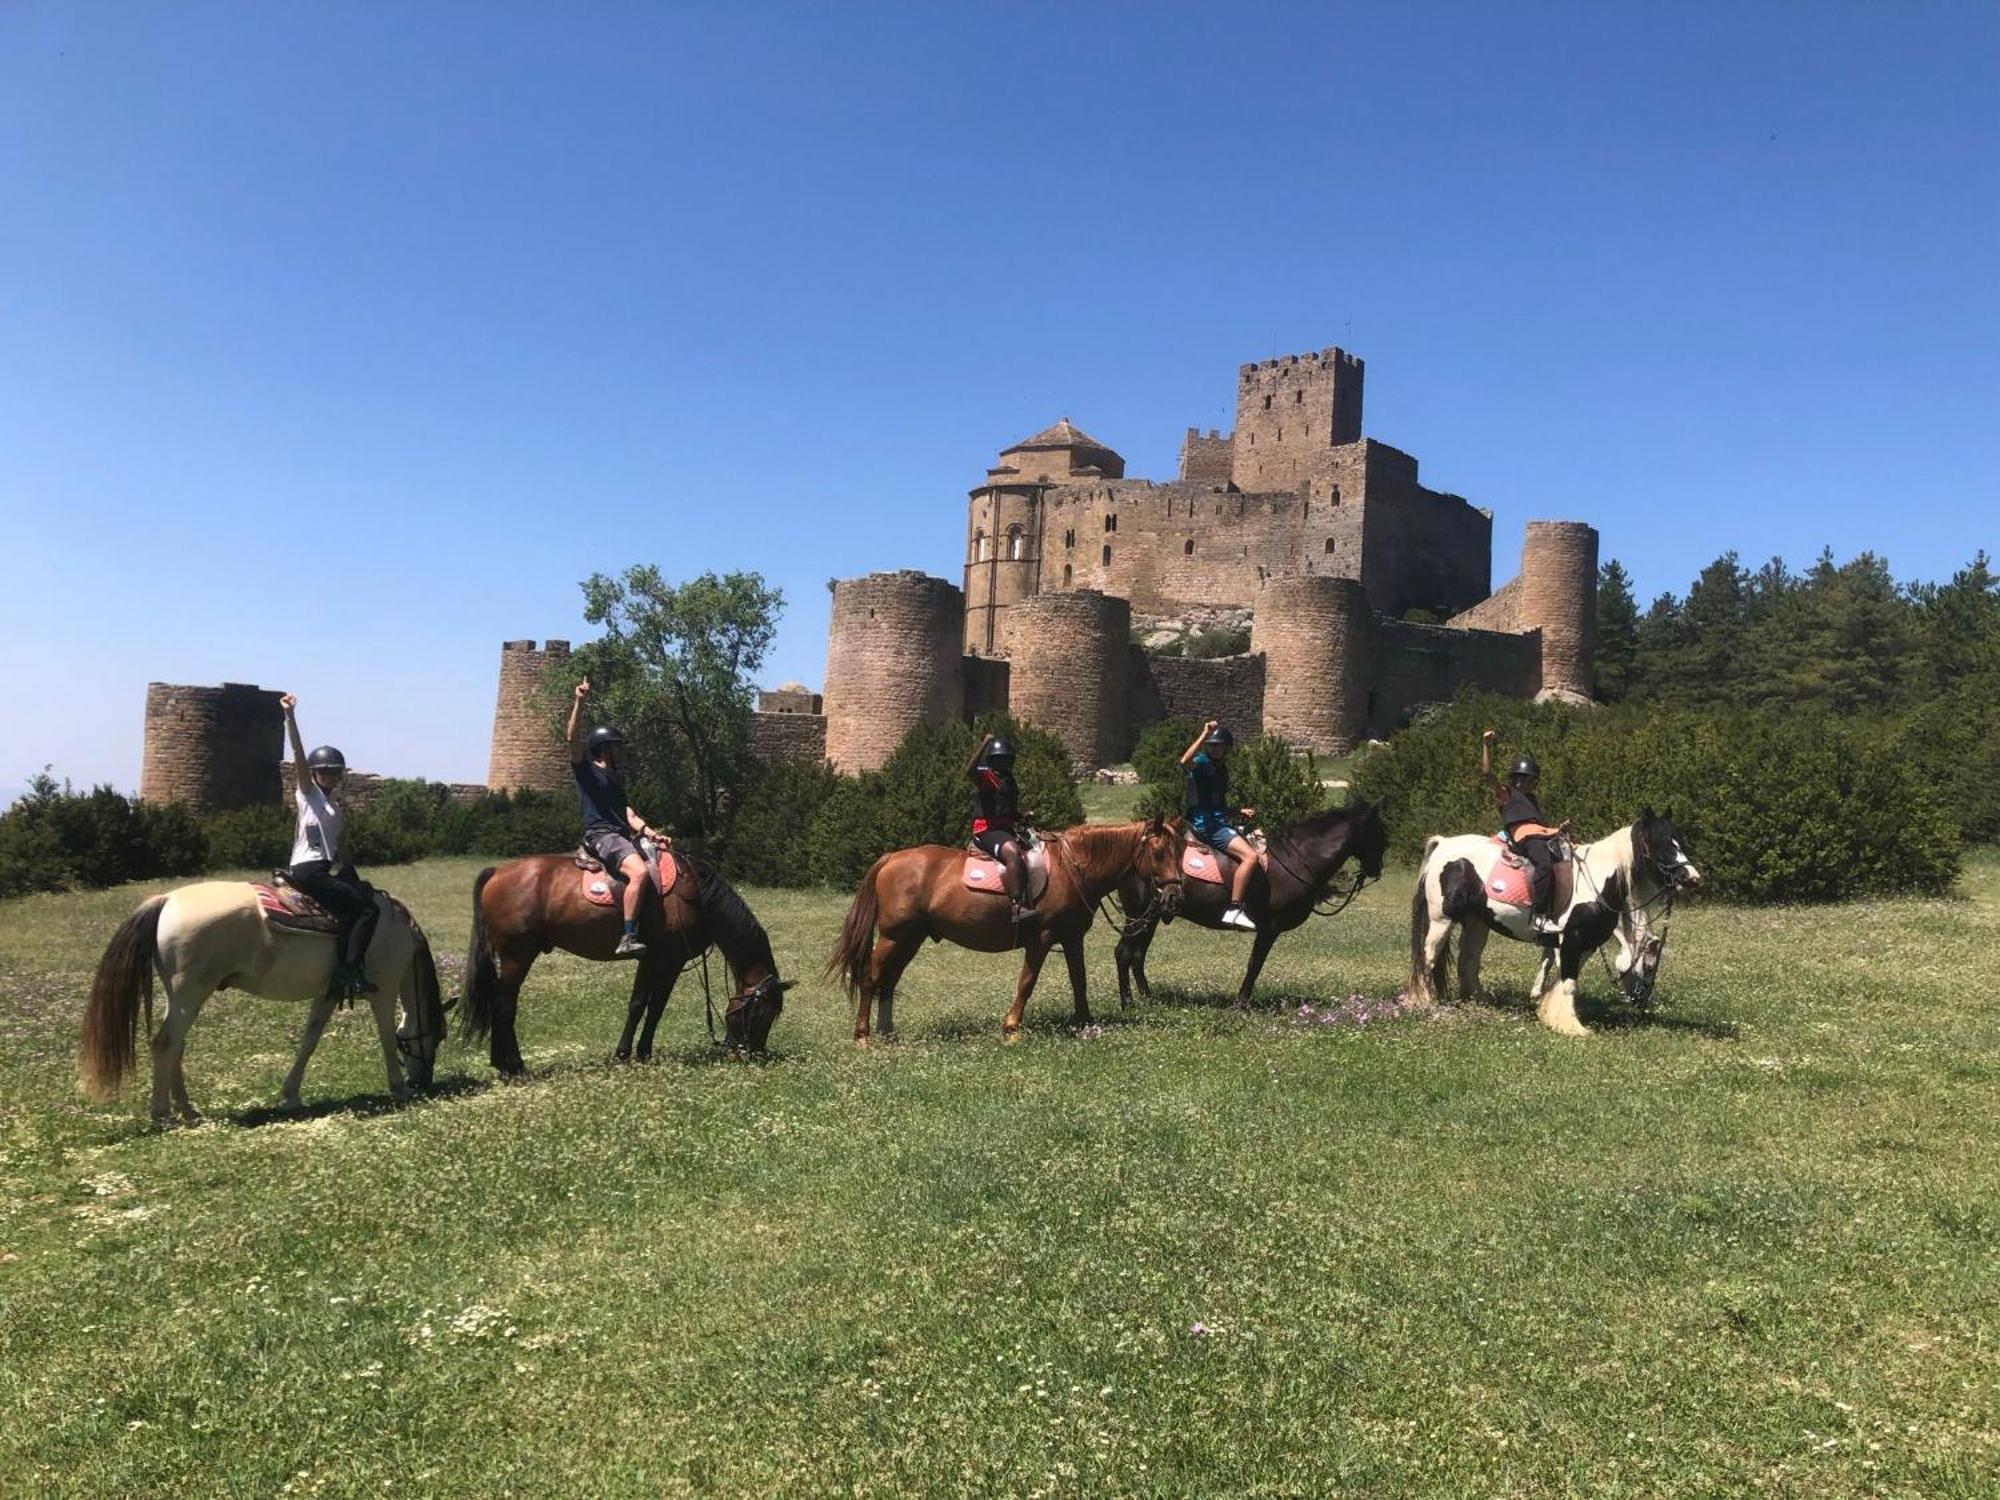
1602 1013
359 1106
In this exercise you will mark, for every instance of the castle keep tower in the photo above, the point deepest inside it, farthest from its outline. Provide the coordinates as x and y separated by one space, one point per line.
1558 596
214 748
1314 633
1289 412
892 663
528 750
1070 659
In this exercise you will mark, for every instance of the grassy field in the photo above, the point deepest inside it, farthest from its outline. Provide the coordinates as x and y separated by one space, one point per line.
1748 1245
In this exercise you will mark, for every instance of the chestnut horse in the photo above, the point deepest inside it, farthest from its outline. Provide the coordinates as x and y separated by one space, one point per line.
909 895
522 909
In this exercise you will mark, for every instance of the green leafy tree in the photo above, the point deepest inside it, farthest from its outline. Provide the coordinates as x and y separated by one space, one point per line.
674 669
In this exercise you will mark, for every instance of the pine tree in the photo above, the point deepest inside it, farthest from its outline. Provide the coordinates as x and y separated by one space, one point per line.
1617 632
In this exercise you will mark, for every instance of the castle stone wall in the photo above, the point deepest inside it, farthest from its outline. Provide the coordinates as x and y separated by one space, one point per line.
788 736
1315 635
1067 666
1205 460
214 748
892 663
1226 688
1558 596
528 747
987 679
1495 612
1415 665
1289 411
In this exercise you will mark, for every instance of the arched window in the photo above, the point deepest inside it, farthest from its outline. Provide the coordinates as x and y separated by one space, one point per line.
979 545
1107 556
1066 575
1187 547
1017 544
1329 547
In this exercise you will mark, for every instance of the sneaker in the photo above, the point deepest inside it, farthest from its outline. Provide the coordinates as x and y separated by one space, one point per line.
1236 916
629 946
1547 926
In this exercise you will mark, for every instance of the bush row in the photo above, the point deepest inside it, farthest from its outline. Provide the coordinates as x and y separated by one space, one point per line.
1794 806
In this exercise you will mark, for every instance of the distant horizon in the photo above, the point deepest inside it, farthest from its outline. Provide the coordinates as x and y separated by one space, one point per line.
349 340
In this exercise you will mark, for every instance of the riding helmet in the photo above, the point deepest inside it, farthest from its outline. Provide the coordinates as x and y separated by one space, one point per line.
326 758
602 738
1221 736
1525 766
999 750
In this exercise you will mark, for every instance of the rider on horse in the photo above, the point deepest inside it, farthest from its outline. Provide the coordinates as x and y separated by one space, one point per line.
1528 831
996 815
1208 812
609 822
316 851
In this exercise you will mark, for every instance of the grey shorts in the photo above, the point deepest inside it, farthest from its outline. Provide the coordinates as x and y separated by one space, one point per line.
611 849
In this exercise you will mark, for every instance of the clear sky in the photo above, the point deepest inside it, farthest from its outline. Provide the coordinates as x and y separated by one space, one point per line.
341 341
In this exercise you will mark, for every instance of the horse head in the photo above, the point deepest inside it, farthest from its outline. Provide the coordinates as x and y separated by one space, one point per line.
1659 845
420 1029
1370 834
1158 862
747 1022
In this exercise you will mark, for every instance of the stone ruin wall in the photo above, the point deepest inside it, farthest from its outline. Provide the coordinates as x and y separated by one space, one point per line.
892 663
1228 688
214 748
1559 598
1314 635
1417 665
1205 459
528 747
1068 670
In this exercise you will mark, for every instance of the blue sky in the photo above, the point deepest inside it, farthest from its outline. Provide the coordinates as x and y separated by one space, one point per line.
341 341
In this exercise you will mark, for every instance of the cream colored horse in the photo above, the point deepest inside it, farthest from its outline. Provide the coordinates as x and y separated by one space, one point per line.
1618 884
212 936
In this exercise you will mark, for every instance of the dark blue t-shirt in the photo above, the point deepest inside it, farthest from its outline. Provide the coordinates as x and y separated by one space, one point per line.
600 795
1207 784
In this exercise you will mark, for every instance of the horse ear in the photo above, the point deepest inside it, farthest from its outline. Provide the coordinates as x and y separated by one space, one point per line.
1669 813
785 984
1646 813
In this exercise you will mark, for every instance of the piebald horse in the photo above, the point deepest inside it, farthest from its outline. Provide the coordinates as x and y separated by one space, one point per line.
215 936
1618 884
910 895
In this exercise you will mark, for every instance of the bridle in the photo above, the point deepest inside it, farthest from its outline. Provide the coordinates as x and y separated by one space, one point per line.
1329 899
1639 987
1156 902
760 990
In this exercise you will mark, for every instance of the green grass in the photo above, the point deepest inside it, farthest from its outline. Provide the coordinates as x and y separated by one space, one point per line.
1750 1246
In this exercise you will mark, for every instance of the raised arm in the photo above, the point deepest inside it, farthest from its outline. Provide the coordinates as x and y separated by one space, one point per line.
1207 728
575 735
300 771
1486 768
972 766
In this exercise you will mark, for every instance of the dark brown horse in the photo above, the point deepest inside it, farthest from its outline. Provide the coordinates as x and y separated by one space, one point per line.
1299 875
522 909
910 895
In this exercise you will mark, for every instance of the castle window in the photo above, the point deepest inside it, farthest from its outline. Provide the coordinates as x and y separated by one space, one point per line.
1335 496
1267 403
1298 398
1187 547
1329 546
1069 537
1016 544
1107 555
1111 522
1066 575
979 545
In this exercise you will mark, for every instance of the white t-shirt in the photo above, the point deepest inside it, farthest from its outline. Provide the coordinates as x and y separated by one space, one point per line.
319 826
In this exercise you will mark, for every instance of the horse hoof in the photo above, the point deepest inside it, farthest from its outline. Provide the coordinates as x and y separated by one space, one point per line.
861 1042
1011 1035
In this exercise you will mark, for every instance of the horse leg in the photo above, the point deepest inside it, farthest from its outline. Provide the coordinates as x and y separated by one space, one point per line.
1079 994
316 1019
1260 950
170 1095
505 1048
1436 938
645 980
656 1007
1132 963
1543 969
1032 958
1471 947
888 975
1558 1008
383 1003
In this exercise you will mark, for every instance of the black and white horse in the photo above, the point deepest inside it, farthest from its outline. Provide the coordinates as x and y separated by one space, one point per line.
1619 886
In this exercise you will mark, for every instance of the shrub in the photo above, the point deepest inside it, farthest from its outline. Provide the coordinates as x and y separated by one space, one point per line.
1777 806
1221 640
1264 773
55 838
250 838
770 835
507 825
397 825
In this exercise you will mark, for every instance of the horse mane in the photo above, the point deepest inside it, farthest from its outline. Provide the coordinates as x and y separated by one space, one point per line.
738 933
1090 843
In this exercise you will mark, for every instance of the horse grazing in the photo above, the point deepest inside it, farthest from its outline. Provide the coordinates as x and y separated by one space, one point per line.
1615 886
909 895
217 935
1302 860
522 909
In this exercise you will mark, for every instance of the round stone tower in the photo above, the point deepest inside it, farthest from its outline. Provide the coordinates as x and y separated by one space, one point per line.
1558 596
528 749
214 748
892 662
1070 655
1314 632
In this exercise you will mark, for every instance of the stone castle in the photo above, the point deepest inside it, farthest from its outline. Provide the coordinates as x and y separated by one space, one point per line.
1325 537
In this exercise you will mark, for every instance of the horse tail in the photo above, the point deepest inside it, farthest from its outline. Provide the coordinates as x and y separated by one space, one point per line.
111 1015
482 972
1420 926
857 934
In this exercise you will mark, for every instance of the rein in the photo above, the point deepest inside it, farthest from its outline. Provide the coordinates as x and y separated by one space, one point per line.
1331 908
1639 990
1123 930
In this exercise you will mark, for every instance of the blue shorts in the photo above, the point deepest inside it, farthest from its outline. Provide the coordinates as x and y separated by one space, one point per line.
1212 830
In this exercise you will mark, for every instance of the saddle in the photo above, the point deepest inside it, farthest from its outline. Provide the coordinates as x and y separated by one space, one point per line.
1510 880
285 905
983 874
601 887
1212 866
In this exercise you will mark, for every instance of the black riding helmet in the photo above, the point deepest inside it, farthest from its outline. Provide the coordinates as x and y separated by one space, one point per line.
999 751
1525 766
326 758
602 738
1222 737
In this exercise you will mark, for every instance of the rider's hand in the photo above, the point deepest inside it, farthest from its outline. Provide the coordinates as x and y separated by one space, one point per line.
1249 814
1209 726
288 701
583 690
1488 736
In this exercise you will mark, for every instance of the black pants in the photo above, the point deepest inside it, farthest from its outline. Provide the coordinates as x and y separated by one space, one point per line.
346 897
1541 869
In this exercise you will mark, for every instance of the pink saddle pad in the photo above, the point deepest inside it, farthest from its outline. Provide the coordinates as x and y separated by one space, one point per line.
599 889
983 874
1199 862
1508 882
